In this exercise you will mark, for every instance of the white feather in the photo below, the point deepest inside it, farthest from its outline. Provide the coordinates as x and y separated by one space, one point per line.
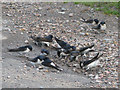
59 46
44 54
39 61
48 44
63 54
77 58
93 64
93 23
52 64
87 50
27 50
103 27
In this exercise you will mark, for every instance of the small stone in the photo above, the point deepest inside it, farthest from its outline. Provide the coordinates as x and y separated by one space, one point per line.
21 33
67 21
90 75
37 26
8 77
96 77
40 67
107 72
40 8
98 81
63 9
23 21
53 28
25 66
75 65
8 15
49 21
22 29
71 15
46 71
55 78
14 32
86 34
26 41
37 69
74 69
61 12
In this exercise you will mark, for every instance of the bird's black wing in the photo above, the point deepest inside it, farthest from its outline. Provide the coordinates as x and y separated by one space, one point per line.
75 53
58 53
17 49
48 39
90 61
33 59
37 39
48 63
89 21
63 44
97 27
84 48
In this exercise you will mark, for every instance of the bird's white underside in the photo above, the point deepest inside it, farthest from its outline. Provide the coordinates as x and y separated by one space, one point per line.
44 54
86 51
93 23
52 64
27 50
39 61
48 44
103 27
62 53
93 64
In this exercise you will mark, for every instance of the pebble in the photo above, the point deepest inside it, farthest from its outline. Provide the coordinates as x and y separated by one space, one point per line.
91 75
8 77
61 12
98 81
63 9
40 8
21 33
9 15
96 77
25 66
75 65
71 15
26 41
74 69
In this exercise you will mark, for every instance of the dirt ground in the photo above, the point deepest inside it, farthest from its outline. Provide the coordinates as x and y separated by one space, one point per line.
23 19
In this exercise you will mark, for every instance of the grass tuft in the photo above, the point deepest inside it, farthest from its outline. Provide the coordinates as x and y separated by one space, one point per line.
110 8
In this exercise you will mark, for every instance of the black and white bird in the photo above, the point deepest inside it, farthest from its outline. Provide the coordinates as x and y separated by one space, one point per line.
65 45
91 63
81 52
37 60
26 48
92 21
45 52
85 50
101 26
43 40
45 61
62 53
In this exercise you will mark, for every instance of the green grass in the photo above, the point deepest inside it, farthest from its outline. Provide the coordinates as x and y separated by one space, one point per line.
110 8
